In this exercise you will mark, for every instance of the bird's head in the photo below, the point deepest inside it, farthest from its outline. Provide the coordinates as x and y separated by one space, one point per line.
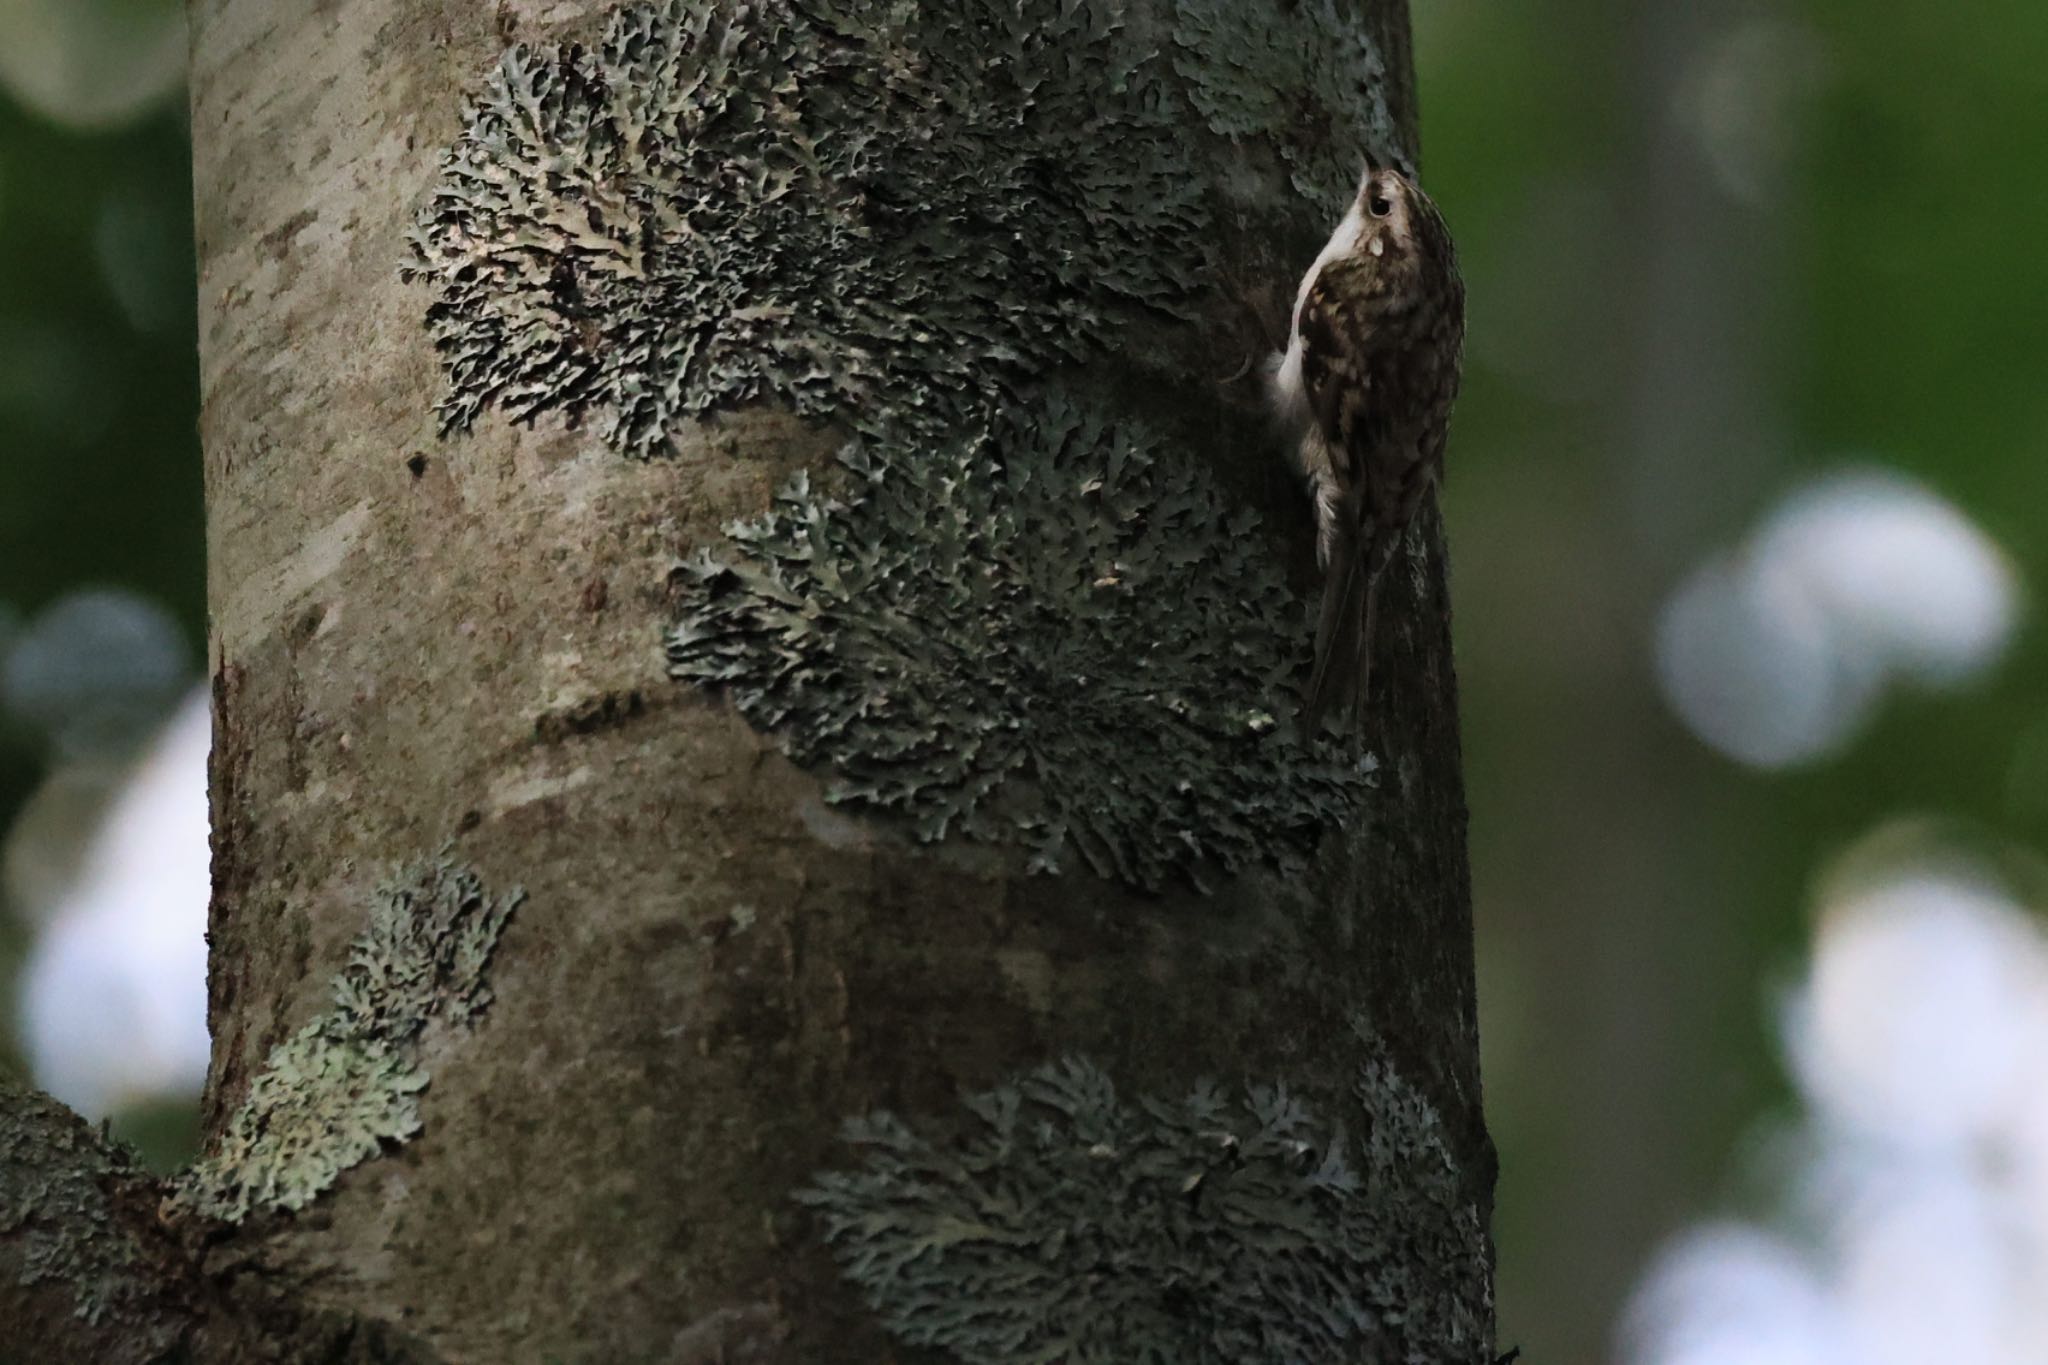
1401 224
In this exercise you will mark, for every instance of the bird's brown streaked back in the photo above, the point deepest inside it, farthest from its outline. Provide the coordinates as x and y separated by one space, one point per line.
1366 387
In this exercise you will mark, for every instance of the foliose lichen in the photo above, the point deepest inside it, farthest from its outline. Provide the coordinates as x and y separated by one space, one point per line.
894 216
1442 1303
332 1095
55 1208
847 207
1068 1224
1305 78
1039 631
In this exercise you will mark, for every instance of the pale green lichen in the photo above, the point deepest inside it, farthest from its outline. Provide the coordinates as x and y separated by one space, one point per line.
845 207
348 1083
1304 78
57 1215
1040 632
1067 1224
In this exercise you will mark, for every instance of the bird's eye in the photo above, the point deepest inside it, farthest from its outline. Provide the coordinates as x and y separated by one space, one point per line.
1379 204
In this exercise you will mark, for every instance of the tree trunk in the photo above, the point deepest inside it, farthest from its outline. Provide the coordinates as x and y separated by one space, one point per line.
756 808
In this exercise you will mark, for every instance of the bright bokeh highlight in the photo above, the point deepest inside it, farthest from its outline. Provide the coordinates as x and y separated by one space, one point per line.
1912 1222
113 993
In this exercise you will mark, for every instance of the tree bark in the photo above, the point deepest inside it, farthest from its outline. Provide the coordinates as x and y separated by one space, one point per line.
755 812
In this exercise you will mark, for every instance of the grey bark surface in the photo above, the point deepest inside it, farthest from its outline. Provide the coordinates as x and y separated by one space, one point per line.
451 649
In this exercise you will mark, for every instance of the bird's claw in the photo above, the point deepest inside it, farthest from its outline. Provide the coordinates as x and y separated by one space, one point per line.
1241 371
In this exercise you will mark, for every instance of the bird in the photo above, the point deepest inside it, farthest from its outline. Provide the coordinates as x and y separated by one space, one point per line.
1363 394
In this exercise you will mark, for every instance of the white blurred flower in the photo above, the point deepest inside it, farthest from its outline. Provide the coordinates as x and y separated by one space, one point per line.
1917 1195
1928 1271
51 834
95 671
1727 1294
1750 667
1776 653
1925 1016
1899 574
92 64
113 999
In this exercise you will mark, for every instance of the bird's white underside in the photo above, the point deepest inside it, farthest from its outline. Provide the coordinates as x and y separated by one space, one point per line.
1287 394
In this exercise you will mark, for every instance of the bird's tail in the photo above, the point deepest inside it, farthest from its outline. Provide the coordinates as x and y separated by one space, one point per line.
1343 667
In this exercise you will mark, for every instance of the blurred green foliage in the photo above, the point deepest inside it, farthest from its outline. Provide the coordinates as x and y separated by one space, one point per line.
1657 356
99 393
99 376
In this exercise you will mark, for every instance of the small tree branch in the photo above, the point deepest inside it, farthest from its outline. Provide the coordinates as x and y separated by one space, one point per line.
86 1270
91 1271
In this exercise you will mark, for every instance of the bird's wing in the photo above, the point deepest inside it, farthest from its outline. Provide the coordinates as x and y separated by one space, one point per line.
1450 345
1338 376
1337 369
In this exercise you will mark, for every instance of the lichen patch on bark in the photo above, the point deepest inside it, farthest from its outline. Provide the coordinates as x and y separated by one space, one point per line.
345 1085
850 209
729 965
890 217
1059 1220
1305 80
60 1227
1045 632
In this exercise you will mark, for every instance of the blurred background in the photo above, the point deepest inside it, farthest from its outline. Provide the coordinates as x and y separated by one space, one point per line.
1747 511
102 591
